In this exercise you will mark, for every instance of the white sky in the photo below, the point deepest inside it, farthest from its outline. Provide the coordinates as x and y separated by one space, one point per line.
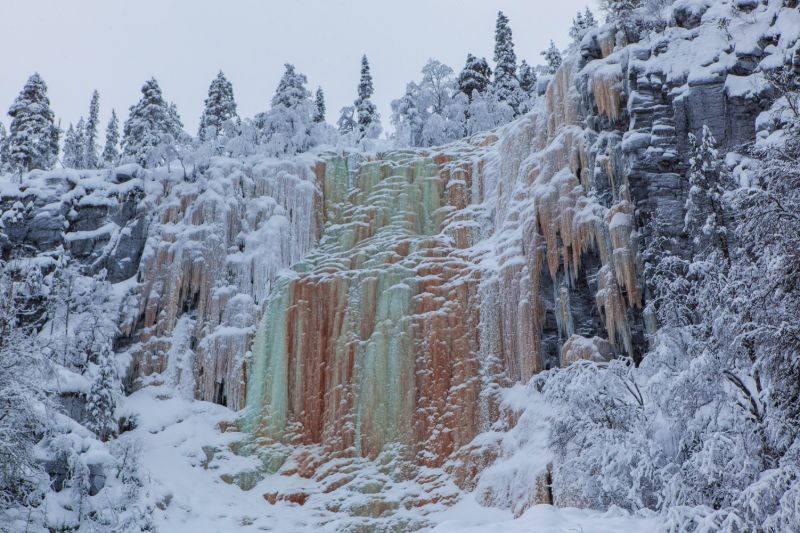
114 45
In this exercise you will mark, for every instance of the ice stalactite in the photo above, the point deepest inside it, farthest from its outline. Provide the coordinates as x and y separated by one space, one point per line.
215 247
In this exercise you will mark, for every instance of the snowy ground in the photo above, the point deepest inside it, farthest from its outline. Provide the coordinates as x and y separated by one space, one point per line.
174 433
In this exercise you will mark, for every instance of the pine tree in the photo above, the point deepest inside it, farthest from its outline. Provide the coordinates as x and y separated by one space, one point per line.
366 112
110 151
319 106
219 110
552 57
33 138
90 158
151 123
527 79
101 401
475 76
70 158
506 84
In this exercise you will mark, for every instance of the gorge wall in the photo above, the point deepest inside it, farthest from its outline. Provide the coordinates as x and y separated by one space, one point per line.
371 312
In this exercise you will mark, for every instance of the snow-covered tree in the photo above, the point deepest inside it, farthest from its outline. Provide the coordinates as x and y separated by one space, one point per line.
437 80
475 76
506 84
219 111
408 117
4 157
347 120
286 127
622 13
90 157
552 57
33 135
101 401
23 390
429 101
175 123
291 92
367 114
527 79
581 24
110 150
151 125
80 144
704 210
319 106
71 156
485 112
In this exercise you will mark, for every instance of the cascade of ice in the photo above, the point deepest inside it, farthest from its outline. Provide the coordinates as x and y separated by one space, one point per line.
441 277
214 248
339 356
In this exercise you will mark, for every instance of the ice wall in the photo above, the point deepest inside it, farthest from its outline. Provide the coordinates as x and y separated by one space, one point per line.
442 276
216 243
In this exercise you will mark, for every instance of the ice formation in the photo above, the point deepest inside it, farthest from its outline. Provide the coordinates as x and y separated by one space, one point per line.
440 277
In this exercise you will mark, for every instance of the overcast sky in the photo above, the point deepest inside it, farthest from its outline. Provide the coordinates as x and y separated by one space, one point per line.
114 45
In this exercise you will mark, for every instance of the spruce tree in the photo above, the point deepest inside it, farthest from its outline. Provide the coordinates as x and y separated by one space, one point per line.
175 124
291 92
506 84
150 122
4 159
581 24
90 158
621 14
475 76
366 112
319 106
552 57
101 401
704 219
70 158
79 160
110 151
527 79
588 18
286 127
33 137
220 108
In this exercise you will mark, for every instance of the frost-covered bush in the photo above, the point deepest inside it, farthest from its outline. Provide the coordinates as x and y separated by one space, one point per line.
24 398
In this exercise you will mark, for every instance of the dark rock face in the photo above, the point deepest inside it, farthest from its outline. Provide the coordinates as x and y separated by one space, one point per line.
100 223
60 474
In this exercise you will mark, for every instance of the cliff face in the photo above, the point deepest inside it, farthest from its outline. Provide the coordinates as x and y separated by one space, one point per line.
426 287
444 276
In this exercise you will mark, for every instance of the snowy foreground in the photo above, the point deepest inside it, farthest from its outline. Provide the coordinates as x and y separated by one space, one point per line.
174 433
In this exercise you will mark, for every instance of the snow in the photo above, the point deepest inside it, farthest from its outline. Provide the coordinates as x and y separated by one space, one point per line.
175 433
468 516
746 86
